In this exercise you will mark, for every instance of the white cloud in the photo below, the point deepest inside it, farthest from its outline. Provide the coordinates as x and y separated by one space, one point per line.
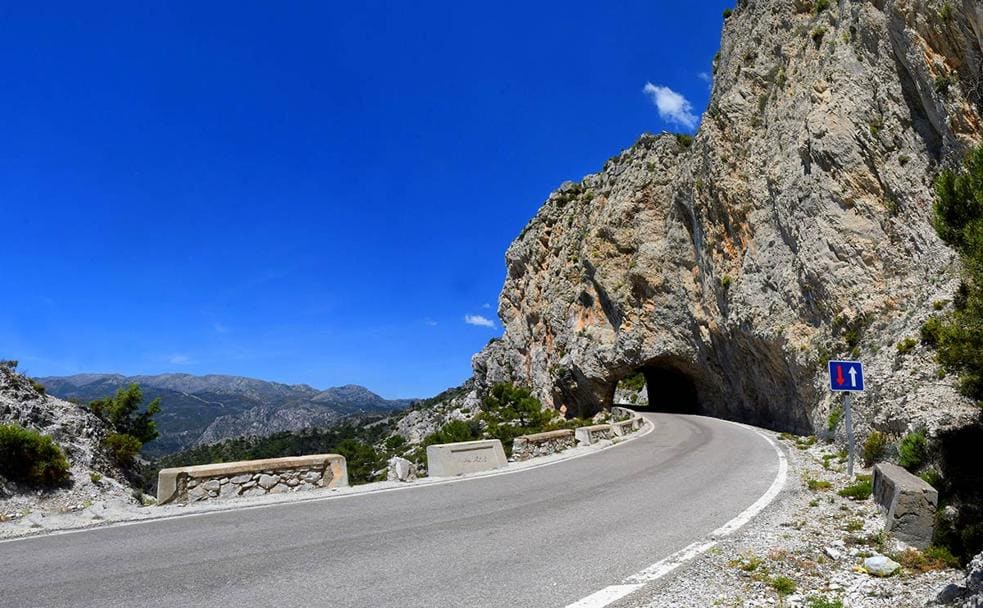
429 322
220 328
179 359
706 78
486 305
672 106
478 320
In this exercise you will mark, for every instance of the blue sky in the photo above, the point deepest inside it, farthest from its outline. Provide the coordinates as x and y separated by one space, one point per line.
305 192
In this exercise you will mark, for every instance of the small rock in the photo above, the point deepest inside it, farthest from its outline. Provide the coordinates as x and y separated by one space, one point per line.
879 565
951 593
241 479
974 574
212 485
400 469
268 481
833 553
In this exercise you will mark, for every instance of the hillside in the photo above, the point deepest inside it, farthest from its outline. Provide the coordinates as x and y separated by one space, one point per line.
77 432
206 409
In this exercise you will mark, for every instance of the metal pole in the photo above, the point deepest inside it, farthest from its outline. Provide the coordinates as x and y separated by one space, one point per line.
849 433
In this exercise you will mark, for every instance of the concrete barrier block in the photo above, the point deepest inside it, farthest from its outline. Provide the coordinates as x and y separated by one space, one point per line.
450 459
908 502
587 435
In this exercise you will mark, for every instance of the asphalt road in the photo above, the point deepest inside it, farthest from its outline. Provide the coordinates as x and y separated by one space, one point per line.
543 537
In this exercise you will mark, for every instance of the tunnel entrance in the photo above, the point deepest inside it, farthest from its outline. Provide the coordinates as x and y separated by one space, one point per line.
660 387
671 390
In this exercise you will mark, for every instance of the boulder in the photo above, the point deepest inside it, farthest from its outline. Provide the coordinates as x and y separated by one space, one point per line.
879 565
400 469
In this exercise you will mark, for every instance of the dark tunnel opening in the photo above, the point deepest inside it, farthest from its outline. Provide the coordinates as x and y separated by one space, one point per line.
671 390
662 386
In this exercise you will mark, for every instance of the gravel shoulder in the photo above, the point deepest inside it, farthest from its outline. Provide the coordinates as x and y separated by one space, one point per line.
806 548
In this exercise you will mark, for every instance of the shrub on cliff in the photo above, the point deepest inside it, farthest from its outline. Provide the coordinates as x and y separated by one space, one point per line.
913 450
122 448
874 447
132 427
30 457
510 411
958 218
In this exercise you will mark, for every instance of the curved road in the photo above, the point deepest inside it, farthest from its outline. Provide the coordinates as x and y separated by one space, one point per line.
544 537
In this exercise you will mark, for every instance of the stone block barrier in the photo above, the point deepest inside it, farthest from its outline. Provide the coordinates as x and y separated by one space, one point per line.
542 444
622 413
450 459
625 427
908 502
251 478
587 435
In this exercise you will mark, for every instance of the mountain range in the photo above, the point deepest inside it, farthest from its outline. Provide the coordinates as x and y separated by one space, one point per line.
207 409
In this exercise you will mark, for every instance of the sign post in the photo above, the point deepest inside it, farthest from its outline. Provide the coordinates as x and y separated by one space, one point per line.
847 377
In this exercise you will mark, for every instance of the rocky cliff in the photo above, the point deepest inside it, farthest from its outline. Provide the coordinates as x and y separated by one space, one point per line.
792 228
78 432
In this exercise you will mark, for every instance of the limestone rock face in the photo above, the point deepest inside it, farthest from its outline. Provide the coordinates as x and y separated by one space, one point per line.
794 227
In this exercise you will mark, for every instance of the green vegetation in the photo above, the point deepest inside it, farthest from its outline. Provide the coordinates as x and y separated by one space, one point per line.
957 336
37 386
945 13
874 447
861 489
728 12
854 525
726 281
510 411
933 478
783 585
816 485
122 448
747 563
821 5
906 346
816 601
932 558
913 450
684 141
945 82
633 383
95 477
132 427
29 457
835 416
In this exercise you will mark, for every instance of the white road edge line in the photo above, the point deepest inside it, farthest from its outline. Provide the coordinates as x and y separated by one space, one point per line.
664 566
436 481
606 596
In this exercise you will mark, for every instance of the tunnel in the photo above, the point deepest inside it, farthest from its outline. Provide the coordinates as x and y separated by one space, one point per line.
662 386
670 390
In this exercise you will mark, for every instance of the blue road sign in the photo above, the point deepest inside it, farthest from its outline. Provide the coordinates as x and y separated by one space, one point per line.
846 376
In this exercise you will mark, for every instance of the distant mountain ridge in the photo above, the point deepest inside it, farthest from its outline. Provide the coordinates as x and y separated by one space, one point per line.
210 408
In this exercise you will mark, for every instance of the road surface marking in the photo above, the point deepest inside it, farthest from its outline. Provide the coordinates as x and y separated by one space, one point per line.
666 565
606 596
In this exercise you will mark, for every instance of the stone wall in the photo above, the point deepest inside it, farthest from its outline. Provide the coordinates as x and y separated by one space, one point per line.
251 478
542 444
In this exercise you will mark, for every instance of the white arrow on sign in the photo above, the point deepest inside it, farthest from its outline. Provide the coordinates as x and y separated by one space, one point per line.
853 376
